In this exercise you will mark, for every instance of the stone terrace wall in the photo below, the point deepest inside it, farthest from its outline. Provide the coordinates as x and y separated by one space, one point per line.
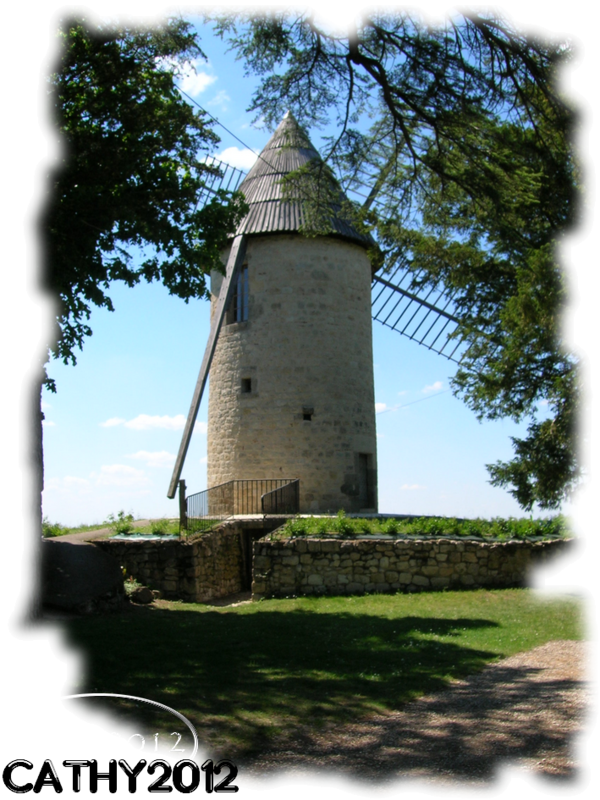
209 567
326 566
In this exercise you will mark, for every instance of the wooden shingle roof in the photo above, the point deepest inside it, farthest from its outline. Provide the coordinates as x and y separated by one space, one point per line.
287 149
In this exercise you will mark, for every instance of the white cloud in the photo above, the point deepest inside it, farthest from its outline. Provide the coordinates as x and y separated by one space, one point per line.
220 99
189 79
379 407
120 475
242 159
69 485
145 422
110 423
402 393
47 423
204 460
45 405
435 387
195 83
410 487
156 459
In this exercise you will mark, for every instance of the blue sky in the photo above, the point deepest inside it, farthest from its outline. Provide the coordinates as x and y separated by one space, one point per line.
113 428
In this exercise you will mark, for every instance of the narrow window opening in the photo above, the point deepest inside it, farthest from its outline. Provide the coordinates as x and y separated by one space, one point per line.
238 310
246 385
307 413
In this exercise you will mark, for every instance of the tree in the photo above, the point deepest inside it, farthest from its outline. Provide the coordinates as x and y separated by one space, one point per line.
122 168
460 142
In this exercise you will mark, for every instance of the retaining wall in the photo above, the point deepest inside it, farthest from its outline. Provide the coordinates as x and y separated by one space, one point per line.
209 567
326 566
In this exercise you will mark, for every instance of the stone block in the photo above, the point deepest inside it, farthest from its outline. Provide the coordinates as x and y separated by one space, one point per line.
355 588
430 571
420 580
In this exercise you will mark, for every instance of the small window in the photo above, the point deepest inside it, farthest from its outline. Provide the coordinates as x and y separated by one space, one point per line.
239 302
307 413
246 385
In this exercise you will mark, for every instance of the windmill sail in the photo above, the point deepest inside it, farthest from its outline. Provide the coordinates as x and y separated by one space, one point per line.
236 257
426 318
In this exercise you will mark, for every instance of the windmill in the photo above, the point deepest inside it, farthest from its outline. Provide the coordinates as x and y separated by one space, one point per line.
290 347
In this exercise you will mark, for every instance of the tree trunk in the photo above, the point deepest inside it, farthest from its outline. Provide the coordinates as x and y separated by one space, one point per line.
26 621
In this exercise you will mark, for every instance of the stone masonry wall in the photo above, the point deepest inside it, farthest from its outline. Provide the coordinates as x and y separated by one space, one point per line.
326 566
291 389
204 569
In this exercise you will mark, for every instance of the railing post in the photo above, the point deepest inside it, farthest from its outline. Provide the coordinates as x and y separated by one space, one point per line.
183 523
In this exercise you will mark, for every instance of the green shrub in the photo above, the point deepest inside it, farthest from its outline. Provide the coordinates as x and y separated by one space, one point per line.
391 527
50 529
341 524
122 523
159 527
298 527
363 526
321 526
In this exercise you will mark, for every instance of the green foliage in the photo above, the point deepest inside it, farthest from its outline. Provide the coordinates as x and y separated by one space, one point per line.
122 523
362 526
123 203
130 584
496 528
297 527
321 526
390 527
160 527
342 525
51 529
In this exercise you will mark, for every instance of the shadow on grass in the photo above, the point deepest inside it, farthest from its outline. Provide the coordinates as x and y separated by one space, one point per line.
251 682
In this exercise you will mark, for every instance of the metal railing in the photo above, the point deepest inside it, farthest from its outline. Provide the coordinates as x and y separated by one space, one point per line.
284 500
242 498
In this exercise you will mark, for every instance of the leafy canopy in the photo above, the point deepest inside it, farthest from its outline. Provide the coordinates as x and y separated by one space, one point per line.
124 202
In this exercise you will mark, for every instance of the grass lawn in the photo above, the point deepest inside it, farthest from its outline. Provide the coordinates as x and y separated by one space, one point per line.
257 674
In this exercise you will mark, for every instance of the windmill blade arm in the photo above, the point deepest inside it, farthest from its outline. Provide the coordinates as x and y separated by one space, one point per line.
416 298
234 262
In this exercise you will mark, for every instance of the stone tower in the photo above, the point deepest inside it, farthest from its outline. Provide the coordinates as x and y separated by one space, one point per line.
291 382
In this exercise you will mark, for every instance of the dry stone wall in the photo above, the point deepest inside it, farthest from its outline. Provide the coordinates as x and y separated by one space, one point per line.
209 567
326 566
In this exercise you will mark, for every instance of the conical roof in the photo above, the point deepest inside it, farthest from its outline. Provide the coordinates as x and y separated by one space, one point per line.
287 149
